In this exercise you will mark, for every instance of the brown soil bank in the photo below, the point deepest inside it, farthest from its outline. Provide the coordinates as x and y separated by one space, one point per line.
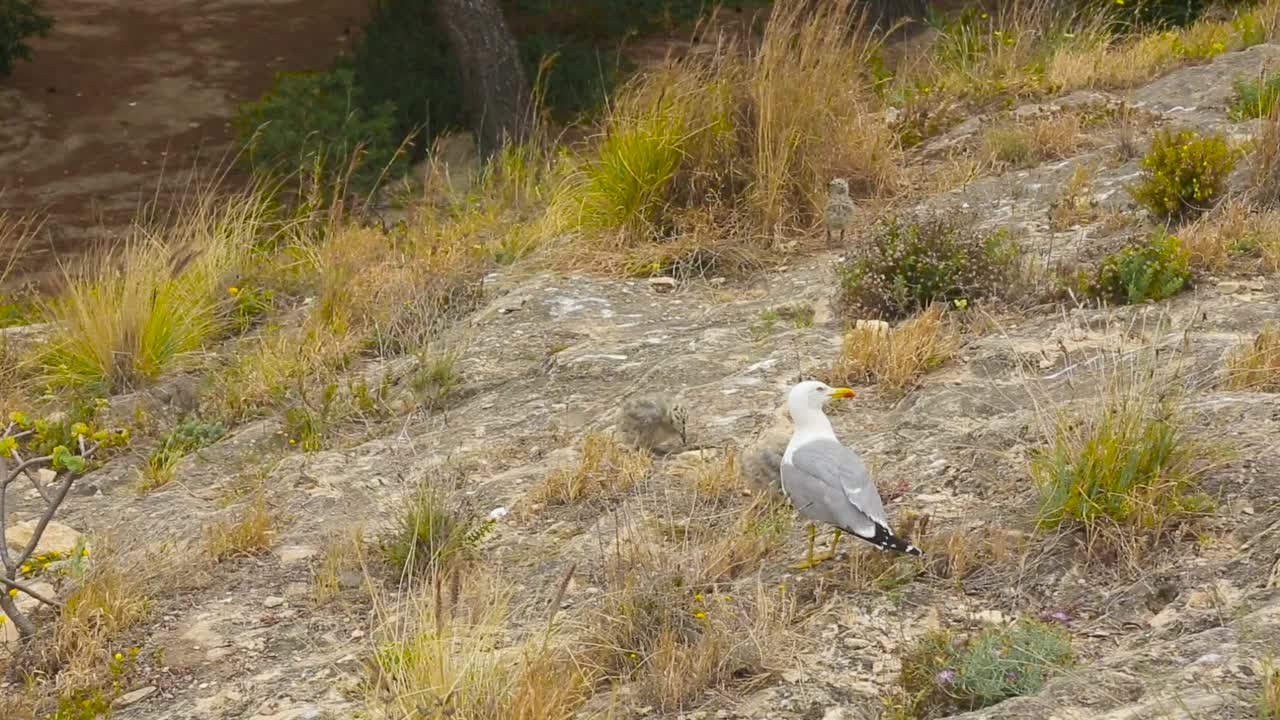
122 95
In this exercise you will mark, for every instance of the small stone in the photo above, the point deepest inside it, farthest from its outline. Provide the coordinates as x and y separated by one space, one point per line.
290 554
1228 287
297 589
793 676
273 602
662 284
134 696
46 476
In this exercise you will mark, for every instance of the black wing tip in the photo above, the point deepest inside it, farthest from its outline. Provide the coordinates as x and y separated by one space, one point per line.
888 541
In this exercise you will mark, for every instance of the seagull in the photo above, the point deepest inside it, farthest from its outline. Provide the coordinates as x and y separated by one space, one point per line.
839 208
826 481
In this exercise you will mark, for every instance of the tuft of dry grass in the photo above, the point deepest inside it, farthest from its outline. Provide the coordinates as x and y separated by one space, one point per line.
665 628
606 469
1255 365
896 360
342 558
111 595
443 652
1074 205
1018 145
1268 702
129 314
249 531
714 478
1234 237
1265 168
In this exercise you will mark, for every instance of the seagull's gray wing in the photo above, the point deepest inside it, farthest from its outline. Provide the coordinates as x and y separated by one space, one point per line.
829 482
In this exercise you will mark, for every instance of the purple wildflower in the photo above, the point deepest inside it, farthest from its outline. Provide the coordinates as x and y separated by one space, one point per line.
946 677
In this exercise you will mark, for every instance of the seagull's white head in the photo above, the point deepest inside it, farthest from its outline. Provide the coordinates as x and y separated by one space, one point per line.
839 186
806 399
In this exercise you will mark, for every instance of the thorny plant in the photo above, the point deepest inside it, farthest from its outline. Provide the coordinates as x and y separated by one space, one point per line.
26 447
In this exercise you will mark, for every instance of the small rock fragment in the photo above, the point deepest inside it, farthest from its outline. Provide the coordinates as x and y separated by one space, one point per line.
134 696
273 602
662 284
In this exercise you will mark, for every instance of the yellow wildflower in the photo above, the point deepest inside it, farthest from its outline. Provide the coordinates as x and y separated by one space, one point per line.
233 290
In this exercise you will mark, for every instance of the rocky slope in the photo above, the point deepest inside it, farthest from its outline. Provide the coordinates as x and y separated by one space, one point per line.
551 357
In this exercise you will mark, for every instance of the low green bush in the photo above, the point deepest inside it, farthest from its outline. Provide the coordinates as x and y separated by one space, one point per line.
913 262
1184 173
1254 98
20 20
946 673
1154 270
318 121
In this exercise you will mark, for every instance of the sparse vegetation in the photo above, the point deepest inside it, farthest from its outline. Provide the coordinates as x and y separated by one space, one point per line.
189 435
1255 97
1128 459
433 536
896 360
1075 204
946 672
249 530
1234 237
1154 270
1265 167
914 262
1183 174
605 469
1017 145
1255 365
1268 702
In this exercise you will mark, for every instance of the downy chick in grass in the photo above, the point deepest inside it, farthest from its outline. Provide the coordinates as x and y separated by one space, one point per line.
653 422
840 208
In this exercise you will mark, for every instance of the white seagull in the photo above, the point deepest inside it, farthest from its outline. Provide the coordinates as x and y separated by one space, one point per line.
826 481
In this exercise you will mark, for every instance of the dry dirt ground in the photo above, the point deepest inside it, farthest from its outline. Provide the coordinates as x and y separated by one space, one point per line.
122 99
551 357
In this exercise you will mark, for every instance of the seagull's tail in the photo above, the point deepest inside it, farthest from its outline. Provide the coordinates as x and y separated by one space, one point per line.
888 541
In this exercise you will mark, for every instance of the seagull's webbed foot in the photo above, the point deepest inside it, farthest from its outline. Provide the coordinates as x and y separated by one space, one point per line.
810 560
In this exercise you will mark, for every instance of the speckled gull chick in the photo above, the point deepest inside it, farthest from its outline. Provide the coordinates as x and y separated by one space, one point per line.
826 481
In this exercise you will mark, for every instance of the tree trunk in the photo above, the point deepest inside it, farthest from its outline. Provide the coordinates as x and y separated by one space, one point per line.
495 91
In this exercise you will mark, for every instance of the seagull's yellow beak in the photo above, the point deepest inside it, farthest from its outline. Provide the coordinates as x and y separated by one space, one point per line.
843 393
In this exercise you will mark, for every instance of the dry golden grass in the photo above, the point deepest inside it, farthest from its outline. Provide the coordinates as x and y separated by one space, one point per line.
703 162
1265 161
676 635
113 595
715 478
341 556
249 531
1022 144
129 314
1268 702
896 360
1234 236
1075 204
443 652
605 469
1255 365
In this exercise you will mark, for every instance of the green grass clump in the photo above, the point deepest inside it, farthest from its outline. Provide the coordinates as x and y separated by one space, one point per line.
1254 98
1183 174
1154 270
945 673
190 435
321 121
914 262
431 535
1129 460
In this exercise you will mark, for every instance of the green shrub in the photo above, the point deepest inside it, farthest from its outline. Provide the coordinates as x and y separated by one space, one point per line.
1254 98
911 263
579 79
319 120
19 20
188 436
403 61
1184 173
1154 270
432 535
946 673
1127 460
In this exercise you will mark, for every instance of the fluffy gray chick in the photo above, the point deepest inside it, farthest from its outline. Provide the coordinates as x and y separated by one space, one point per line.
653 422
761 460
839 208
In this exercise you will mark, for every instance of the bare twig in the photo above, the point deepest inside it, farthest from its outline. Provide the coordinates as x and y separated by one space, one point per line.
25 589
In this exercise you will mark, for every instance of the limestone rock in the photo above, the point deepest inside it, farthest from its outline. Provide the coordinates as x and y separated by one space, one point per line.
57 537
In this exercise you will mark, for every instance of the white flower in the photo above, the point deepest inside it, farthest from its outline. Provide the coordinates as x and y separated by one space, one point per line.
498 513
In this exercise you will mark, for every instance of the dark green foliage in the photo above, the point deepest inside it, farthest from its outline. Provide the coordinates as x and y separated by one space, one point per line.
1183 174
190 435
945 673
1147 15
1154 270
317 121
579 77
19 20
403 59
1254 98
914 262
